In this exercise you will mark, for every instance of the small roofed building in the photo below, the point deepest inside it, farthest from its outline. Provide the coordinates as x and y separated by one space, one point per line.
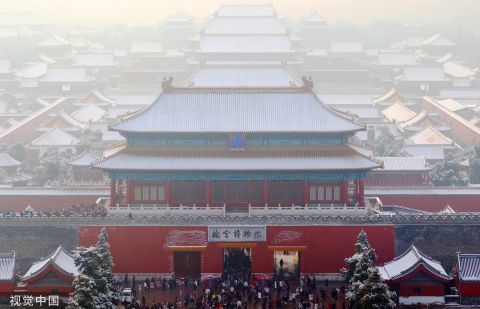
438 45
7 274
400 171
416 278
66 80
176 30
55 46
422 80
314 29
464 132
55 137
82 171
8 165
431 137
467 278
237 147
53 274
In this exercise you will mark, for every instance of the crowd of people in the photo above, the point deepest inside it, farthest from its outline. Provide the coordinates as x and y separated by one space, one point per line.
248 291
81 210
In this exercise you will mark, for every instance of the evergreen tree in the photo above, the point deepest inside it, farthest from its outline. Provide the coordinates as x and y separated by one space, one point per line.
361 246
374 293
88 261
475 165
105 261
448 173
365 286
83 294
387 145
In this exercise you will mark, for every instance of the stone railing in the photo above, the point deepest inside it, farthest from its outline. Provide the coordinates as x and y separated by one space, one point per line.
308 209
165 209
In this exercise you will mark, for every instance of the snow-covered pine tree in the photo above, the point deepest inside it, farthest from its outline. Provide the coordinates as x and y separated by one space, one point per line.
361 246
87 260
355 287
83 294
105 261
374 293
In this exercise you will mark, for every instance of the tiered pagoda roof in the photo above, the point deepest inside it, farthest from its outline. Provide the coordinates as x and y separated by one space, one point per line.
241 110
282 110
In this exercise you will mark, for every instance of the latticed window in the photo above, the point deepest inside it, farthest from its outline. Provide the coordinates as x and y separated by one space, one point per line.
286 191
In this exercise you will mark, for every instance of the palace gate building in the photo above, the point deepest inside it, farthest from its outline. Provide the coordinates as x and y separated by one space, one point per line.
236 158
237 147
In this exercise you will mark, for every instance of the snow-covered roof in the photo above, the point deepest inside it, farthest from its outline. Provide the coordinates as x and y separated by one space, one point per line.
360 111
398 112
98 59
410 261
430 135
430 152
420 191
421 74
245 44
396 58
403 163
242 76
246 10
438 39
88 113
55 137
341 160
35 191
84 159
7 266
346 47
289 109
179 17
222 26
389 97
54 40
469 267
71 121
132 99
60 259
458 70
313 17
32 70
66 74
452 105
448 210
412 121
7 161
347 99
147 47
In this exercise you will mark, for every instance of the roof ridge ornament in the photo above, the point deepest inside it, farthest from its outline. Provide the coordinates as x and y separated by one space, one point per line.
307 83
167 84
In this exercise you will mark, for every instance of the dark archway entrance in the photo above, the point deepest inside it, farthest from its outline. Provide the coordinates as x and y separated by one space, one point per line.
286 264
187 264
237 261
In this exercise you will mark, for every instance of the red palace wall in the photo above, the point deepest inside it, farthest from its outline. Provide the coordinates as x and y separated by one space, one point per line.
143 249
469 289
461 203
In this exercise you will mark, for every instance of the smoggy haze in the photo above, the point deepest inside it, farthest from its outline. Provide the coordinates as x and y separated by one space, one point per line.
145 12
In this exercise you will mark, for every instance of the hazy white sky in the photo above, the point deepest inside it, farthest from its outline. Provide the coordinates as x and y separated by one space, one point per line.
144 12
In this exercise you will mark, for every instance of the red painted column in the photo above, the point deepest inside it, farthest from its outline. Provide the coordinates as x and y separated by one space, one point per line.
356 190
306 192
265 192
129 192
345 192
208 193
167 192
113 193
361 196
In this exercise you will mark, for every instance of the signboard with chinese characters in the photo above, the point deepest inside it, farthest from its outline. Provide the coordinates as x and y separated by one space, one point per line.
231 233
